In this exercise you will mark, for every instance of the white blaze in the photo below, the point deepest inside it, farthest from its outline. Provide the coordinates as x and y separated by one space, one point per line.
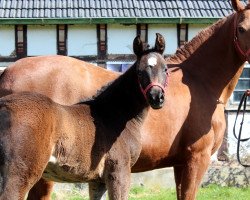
152 61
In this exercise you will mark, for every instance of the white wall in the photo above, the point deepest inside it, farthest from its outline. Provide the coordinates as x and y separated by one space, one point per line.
41 40
120 38
169 32
82 40
7 40
245 133
194 29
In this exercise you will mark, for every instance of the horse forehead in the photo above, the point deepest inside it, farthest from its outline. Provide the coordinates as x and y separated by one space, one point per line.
152 59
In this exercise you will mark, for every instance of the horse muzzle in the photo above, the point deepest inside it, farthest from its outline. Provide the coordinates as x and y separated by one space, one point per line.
156 96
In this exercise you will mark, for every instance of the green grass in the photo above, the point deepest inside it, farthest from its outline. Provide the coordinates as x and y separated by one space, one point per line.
211 192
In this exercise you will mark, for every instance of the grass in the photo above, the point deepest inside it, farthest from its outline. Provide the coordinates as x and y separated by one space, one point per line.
211 192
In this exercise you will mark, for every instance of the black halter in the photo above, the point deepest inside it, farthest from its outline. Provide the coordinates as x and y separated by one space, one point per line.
239 140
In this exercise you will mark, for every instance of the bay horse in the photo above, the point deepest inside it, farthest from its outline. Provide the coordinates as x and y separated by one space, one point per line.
95 141
190 126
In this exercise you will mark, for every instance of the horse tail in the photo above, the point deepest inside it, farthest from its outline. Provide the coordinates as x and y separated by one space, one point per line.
3 168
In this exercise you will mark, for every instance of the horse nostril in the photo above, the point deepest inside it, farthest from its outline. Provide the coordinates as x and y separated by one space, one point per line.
161 97
156 96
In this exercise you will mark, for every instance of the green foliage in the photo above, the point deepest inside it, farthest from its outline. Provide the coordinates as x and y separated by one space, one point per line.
210 192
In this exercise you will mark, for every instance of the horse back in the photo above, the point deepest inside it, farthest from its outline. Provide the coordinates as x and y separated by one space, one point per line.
64 79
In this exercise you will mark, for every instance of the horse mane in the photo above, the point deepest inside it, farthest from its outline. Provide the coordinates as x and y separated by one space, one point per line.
98 92
104 90
186 50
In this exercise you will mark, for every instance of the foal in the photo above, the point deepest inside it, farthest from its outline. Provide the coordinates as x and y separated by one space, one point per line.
95 141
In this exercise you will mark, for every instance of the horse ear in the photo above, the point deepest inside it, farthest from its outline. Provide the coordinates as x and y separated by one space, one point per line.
138 46
237 5
159 43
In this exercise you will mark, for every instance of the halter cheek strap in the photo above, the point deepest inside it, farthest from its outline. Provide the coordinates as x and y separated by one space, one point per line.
144 91
243 54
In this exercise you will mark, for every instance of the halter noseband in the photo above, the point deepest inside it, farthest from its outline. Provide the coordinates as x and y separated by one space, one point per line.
149 86
237 45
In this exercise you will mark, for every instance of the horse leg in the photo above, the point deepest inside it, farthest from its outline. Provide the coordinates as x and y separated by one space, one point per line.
16 185
14 190
178 177
118 182
192 174
97 191
41 190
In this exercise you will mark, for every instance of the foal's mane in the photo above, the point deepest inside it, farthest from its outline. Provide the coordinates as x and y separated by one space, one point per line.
106 89
187 49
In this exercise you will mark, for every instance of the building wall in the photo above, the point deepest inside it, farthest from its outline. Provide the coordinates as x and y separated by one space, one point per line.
120 38
82 40
193 29
232 142
41 40
169 32
7 40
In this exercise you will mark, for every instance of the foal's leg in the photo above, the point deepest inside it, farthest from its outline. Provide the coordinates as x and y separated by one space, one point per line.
118 182
16 184
192 174
97 191
41 190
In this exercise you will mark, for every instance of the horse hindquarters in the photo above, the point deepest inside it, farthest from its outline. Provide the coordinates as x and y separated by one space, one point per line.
24 146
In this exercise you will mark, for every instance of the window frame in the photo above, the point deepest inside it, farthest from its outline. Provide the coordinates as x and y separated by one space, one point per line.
102 41
62 46
180 28
119 63
236 102
139 29
21 43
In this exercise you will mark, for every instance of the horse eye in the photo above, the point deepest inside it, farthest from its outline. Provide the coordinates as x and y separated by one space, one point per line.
165 69
139 73
241 29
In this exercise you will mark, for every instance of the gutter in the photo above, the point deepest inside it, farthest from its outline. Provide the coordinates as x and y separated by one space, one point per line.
125 20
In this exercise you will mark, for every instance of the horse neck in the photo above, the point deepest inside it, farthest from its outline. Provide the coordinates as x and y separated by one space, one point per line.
211 59
122 100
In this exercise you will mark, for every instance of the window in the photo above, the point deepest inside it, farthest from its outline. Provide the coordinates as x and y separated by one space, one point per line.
242 85
21 40
142 30
182 34
118 66
62 39
102 40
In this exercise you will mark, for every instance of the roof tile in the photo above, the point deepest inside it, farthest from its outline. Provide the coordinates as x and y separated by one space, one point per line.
114 8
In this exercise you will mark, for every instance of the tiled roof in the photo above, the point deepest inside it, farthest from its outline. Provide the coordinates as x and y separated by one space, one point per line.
115 8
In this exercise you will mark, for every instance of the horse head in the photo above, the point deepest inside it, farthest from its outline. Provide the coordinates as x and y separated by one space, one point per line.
151 70
242 29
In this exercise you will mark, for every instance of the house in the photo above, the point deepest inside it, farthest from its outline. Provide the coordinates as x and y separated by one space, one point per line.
102 31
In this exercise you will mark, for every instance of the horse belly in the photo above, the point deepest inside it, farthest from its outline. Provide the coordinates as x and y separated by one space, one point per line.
63 172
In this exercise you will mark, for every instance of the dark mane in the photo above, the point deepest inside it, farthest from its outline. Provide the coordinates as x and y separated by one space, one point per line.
106 89
187 49
98 92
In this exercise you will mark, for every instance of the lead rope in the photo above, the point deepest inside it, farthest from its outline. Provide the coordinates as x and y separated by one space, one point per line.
239 140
